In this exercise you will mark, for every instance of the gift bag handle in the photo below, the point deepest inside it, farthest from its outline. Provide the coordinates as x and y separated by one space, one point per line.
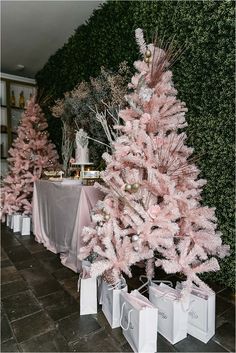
148 282
189 306
121 317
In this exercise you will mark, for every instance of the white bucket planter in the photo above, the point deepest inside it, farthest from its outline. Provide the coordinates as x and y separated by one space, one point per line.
16 223
12 222
25 225
9 217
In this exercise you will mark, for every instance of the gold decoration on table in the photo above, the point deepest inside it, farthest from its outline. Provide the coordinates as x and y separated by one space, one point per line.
13 99
22 100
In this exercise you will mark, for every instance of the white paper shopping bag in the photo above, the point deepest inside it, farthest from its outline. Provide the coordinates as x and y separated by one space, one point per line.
172 312
88 290
201 315
139 322
111 301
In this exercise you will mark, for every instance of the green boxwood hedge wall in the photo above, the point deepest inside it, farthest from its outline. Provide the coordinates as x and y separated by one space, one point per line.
203 76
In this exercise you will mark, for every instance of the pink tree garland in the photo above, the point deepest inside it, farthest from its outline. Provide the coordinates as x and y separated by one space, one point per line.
152 210
30 154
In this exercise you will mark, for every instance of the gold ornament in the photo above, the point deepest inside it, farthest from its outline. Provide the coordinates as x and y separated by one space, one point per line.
135 186
128 187
148 53
149 60
106 217
105 211
146 59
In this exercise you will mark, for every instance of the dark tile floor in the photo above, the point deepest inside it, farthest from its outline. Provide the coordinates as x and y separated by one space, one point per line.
40 308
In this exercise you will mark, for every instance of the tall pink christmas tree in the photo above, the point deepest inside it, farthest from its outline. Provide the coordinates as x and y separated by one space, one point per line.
152 210
30 154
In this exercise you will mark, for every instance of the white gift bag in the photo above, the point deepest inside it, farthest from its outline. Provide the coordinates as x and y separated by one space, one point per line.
88 290
9 217
111 301
25 225
172 312
16 222
138 320
201 315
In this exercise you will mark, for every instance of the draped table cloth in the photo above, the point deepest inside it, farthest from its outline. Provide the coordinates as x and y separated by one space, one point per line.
60 211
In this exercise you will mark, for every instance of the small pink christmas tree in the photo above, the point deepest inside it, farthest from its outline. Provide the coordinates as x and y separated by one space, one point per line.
152 210
30 154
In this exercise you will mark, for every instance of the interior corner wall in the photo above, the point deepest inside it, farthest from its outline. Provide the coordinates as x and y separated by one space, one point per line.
203 76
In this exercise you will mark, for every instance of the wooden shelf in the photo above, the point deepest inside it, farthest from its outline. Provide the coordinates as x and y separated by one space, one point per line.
17 108
12 113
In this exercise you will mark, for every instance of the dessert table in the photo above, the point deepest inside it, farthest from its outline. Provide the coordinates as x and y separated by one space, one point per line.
60 211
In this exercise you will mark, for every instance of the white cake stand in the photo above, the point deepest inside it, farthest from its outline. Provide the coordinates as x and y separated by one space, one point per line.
81 165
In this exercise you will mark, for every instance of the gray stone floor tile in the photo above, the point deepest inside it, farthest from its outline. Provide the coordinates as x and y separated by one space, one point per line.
75 326
12 288
18 253
126 348
222 305
32 325
227 316
9 274
163 345
228 295
6 263
20 305
9 346
6 332
71 286
29 263
59 304
3 255
51 341
43 255
63 273
115 333
100 341
51 264
40 280
225 335
22 237
31 245
191 344
8 240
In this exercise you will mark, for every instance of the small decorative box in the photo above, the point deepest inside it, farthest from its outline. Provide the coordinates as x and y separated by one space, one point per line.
91 174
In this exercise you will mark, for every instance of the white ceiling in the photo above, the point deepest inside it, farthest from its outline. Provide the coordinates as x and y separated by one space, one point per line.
31 31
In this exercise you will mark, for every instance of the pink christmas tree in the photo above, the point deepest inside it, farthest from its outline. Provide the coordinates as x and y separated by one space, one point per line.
30 154
152 209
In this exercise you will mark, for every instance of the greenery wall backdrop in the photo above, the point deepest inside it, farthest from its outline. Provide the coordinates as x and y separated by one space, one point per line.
203 76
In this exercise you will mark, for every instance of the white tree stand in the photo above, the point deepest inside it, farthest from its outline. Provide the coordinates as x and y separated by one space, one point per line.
9 217
25 225
16 223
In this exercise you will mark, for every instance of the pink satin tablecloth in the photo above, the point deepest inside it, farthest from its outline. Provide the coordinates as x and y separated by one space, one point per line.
60 211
